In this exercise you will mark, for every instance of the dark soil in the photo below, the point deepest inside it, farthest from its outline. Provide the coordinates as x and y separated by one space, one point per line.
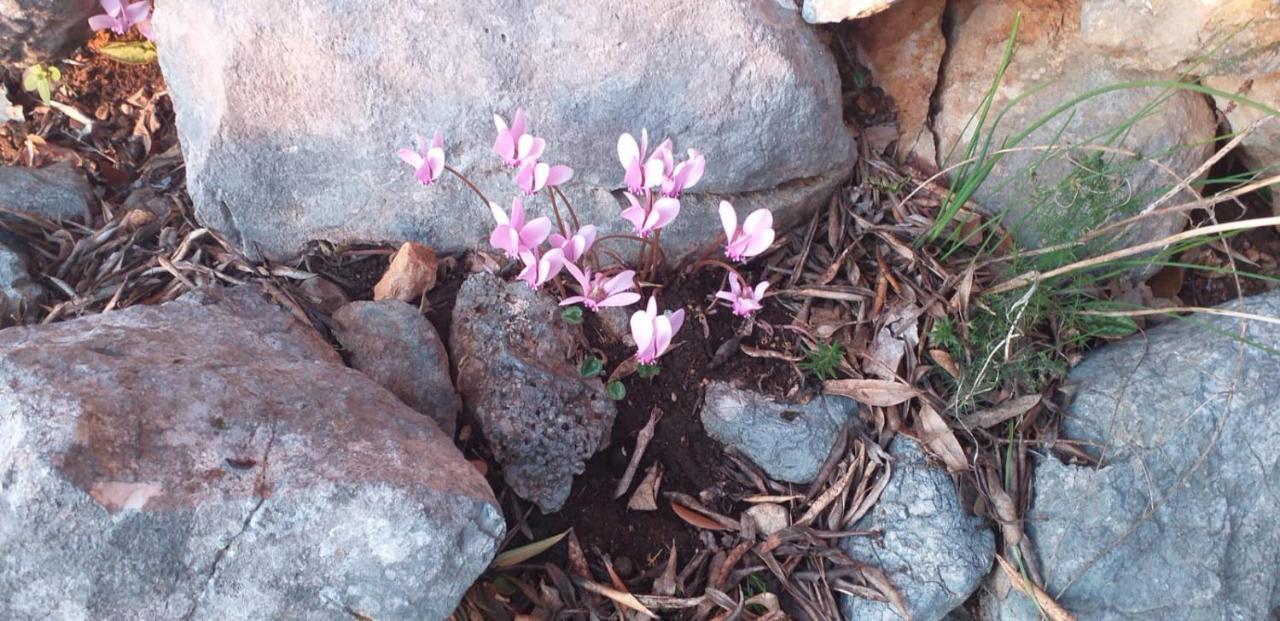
692 462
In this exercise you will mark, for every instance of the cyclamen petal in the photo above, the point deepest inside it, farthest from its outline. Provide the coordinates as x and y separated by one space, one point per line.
753 238
652 332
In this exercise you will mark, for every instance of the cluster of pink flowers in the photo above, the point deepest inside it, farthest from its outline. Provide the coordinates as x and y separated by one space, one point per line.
654 182
119 17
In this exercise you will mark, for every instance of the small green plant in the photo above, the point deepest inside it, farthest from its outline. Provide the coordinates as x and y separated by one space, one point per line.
822 361
572 315
616 391
40 79
591 367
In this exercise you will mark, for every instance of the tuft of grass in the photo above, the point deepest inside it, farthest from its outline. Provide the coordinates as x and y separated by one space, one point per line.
823 360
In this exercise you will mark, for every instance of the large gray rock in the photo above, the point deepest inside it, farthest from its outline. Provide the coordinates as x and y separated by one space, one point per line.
789 441
1054 57
827 11
212 458
934 552
518 379
393 344
1183 519
56 192
34 31
290 122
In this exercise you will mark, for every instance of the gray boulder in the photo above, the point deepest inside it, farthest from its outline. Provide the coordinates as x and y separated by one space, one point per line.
56 192
1182 521
789 441
212 458
827 11
1053 56
934 552
33 31
393 344
290 122
519 381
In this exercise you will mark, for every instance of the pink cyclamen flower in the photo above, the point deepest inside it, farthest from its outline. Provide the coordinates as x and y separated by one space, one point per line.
120 17
653 332
753 237
744 299
513 235
540 269
575 246
647 220
533 176
513 145
679 177
643 170
427 161
599 291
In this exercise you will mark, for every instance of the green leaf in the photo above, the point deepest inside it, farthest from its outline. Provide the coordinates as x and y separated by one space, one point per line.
131 52
505 586
572 315
54 74
527 551
591 367
1111 327
43 89
648 370
31 77
616 390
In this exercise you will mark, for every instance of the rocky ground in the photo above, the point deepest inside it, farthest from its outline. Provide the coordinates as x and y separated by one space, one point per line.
247 370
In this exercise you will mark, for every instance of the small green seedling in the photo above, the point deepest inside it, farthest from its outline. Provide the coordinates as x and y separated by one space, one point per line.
591 367
40 79
572 315
616 391
822 360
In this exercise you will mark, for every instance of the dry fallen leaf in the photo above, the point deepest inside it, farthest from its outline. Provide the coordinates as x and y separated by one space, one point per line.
1051 609
945 361
412 273
697 519
938 439
1000 413
645 497
880 393
525 552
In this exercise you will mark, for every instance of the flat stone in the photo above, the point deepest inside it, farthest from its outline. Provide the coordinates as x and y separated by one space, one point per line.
789 441
212 458
33 31
827 11
1053 56
520 382
934 552
55 192
396 346
313 154
1182 521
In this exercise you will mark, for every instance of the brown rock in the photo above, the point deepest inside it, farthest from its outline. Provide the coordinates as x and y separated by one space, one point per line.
212 456
412 273
905 45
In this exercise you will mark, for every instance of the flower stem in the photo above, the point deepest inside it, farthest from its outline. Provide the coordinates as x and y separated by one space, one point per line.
556 208
573 215
469 184
717 263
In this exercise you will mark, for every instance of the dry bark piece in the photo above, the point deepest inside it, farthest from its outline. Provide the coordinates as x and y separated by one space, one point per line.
412 273
879 393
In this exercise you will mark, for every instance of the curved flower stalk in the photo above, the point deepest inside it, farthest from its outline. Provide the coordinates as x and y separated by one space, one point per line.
514 145
745 300
576 246
643 169
534 175
427 160
658 214
119 17
600 291
653 332
538 270
752 238
513 235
